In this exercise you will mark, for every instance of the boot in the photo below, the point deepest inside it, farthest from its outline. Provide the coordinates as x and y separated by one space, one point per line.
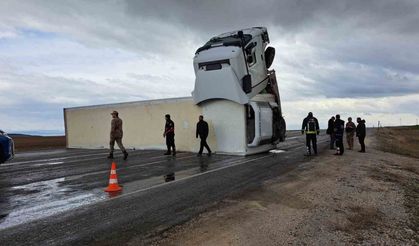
174 152
125 155
110 156
167 153
308 152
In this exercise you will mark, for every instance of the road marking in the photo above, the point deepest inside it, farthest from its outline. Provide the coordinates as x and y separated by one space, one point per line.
63 158
185 178
277 151
133 166
76 176
236 163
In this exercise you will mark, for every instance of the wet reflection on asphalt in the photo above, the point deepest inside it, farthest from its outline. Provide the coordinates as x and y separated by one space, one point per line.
83 177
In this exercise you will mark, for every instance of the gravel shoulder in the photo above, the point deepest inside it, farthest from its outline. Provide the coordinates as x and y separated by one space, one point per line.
357 198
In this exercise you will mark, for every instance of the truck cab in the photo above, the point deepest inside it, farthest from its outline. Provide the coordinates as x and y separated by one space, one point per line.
234 66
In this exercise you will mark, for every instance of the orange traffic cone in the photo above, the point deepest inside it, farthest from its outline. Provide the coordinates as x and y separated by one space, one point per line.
113 180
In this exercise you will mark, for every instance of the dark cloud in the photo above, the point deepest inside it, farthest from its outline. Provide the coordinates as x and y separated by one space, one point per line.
290 15
367 50
365 38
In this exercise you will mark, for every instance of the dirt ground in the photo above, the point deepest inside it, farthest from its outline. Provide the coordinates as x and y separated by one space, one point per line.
29 143
358 198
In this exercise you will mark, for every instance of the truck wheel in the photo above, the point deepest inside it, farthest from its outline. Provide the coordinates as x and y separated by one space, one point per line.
282 129
2 155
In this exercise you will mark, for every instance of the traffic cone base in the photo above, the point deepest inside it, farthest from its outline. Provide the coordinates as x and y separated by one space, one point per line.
113 180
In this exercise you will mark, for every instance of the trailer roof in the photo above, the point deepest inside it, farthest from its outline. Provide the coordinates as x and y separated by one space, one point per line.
154 101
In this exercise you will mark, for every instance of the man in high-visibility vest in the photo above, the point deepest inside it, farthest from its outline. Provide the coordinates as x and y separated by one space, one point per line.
311 128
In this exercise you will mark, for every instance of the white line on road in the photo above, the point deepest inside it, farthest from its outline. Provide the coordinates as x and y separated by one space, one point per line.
63 158
189 177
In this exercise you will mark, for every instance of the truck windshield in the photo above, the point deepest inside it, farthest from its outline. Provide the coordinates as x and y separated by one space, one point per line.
232 40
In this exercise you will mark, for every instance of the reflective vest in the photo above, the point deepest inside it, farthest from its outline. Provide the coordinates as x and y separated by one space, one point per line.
311 127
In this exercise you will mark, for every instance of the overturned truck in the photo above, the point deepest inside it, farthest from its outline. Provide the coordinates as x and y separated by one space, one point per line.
232 74
234 90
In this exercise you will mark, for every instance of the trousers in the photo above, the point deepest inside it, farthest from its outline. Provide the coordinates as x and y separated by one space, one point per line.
204 144
332 141
119 142
350 139
339 144
311 138
170 142
361 140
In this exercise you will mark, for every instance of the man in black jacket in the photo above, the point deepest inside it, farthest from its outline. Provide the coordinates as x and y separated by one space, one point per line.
339 129
202 132
330 131
311 127
169 134
361 133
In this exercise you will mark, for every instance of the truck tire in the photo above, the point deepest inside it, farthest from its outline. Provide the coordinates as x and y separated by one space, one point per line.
282 129
2 155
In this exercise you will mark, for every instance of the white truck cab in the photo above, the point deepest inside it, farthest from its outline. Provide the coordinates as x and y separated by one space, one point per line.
234 66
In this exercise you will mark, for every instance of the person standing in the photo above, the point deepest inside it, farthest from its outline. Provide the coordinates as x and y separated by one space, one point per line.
311 127
330 131
350 132
116 135
339 127
202 132
361 133
169 134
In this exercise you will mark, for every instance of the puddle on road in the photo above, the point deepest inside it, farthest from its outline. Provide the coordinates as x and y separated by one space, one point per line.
41 199
38 200
157 180
171 175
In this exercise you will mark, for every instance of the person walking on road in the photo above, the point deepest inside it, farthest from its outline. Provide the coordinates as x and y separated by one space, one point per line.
169 134
116 135
330 131
339 127
311 127
361 133
350 132
202 132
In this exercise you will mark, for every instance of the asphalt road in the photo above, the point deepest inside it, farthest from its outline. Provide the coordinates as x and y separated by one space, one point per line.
57 197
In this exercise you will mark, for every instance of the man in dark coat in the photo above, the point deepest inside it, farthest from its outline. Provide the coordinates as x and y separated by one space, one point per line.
339 127
350 132
202 132
169 134
311 127
361 133
330 131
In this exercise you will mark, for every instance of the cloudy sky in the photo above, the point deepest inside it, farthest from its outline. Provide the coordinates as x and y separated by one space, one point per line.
354 57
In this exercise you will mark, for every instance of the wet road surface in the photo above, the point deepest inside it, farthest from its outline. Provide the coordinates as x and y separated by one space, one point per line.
57 197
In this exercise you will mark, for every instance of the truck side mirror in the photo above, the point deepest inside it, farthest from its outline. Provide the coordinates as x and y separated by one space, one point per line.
269 56
247 83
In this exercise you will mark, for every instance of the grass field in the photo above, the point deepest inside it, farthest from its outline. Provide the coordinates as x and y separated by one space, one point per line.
400 140
404 141
28 143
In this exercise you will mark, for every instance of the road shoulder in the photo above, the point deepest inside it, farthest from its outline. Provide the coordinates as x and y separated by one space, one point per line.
369 198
